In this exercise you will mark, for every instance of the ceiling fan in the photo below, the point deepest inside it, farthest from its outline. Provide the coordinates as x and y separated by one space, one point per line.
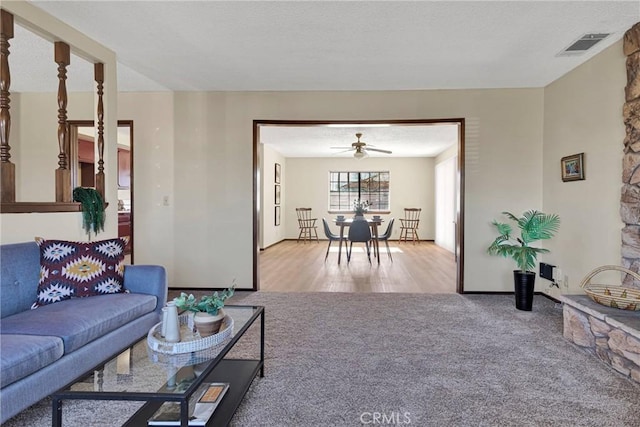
360 148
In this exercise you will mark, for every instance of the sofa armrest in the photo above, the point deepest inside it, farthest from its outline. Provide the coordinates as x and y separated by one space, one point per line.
147 279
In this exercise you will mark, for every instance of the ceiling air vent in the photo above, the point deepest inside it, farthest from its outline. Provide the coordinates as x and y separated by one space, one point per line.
583 44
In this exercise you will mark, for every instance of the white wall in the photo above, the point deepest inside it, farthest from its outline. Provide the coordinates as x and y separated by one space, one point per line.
269 232
214 168
446 215
213 208
446 196
583 113
411 184
154 142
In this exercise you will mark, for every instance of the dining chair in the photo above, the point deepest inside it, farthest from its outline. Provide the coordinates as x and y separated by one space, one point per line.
307 225
409 224
331 236
359 231
386 235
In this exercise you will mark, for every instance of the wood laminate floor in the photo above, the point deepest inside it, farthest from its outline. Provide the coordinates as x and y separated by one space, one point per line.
290 266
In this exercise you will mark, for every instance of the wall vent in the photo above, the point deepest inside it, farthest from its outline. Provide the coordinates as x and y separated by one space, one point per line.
583 44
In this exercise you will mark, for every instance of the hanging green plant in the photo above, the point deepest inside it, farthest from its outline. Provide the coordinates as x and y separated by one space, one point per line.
92 209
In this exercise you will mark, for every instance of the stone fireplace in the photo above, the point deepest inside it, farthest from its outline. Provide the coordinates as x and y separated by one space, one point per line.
630 199
612 334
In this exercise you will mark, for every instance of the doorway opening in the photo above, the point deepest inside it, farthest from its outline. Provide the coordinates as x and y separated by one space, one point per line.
83 153
264 205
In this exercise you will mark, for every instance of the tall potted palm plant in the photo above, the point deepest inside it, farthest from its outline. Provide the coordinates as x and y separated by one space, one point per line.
534 226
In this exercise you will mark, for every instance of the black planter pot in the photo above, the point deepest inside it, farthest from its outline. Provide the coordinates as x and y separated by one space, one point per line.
524 282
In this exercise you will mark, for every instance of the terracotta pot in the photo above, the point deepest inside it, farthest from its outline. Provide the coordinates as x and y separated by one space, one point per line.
206 324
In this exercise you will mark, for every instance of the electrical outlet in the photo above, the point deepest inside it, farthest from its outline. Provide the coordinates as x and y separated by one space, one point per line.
565 282
557 275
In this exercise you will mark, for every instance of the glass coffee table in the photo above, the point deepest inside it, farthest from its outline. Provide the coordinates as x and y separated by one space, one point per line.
140 374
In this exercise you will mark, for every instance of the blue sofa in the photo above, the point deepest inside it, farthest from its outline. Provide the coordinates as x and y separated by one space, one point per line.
44 349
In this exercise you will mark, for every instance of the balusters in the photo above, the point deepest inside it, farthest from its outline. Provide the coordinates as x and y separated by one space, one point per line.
99 78
63 183
62 57
7 169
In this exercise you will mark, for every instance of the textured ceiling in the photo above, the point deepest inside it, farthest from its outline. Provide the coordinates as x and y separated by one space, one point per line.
338 45
402 140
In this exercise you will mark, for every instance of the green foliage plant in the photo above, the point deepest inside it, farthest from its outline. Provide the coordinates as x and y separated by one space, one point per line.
534 226
92 209
360 207
207 303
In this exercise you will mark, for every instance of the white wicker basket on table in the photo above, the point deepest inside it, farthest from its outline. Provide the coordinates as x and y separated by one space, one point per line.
612 295
189 341
174 360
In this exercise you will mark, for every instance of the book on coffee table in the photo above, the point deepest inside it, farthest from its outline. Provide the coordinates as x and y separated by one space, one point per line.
208 396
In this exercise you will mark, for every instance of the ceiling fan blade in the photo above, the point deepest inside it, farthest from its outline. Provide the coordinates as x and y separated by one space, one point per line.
343 148
340 152
378 150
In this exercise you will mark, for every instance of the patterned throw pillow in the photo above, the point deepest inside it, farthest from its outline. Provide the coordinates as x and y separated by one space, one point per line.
79 269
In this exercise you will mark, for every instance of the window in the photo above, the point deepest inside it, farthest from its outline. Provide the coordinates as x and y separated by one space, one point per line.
345 187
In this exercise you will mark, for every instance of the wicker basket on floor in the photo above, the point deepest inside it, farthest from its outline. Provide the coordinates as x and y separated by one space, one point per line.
611 295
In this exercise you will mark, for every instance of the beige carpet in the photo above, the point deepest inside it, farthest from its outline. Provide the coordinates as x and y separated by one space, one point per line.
413 359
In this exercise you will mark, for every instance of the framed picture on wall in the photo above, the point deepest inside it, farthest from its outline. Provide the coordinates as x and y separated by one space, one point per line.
277 216
572 167
277 193
277 173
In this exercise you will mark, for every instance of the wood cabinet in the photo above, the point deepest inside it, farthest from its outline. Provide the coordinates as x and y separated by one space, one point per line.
86 167
85 150
87 174
124 168
124 229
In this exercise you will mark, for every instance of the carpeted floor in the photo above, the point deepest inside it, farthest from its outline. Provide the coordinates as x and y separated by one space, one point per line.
413 359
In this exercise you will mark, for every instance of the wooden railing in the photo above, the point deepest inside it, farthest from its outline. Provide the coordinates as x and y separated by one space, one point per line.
63 174
7 169
63 179
99 77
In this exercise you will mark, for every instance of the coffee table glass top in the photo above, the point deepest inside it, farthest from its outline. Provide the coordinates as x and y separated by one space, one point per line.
140 370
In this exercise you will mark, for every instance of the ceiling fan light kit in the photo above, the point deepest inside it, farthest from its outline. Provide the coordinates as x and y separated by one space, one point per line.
359 154
360 149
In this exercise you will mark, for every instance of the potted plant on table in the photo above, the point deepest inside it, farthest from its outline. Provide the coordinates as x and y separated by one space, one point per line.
360 207
533 226
208 310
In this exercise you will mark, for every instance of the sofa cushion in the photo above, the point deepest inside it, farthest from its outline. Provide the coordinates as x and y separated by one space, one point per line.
22 355
19 269
80 320
79 269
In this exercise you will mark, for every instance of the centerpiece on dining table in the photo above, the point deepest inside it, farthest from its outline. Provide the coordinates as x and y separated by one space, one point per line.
360 207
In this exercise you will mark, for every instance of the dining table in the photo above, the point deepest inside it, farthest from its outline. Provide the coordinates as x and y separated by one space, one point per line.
373 223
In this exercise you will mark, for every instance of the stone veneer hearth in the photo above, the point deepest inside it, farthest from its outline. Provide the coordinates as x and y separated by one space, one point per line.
611 334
